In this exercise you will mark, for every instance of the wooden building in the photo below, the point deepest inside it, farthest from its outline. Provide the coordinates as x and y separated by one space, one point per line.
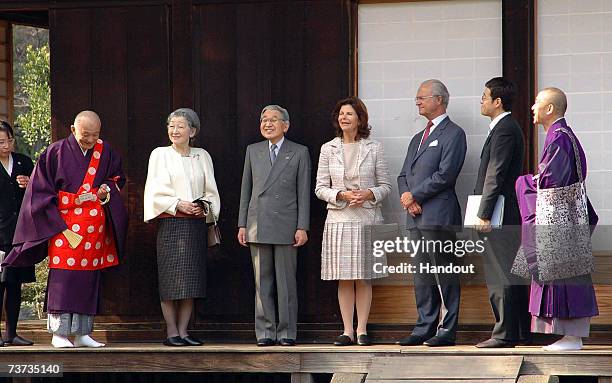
134 61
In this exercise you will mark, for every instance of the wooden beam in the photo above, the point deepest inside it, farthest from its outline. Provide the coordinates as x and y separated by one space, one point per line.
24 5
575 363
422 367
314 359
390 1
348 378
337 362
440 381
538 379
300 377
38 18
45 5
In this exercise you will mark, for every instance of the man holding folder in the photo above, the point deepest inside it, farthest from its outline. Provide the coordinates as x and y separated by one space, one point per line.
501 163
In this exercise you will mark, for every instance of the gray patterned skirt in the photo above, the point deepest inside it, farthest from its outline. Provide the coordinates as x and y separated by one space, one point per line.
346 252
181 258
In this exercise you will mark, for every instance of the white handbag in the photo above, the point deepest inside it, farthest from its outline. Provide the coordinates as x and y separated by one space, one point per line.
562 234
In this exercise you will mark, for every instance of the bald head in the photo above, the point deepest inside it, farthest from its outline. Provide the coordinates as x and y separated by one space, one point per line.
550 105
557 98
86 128
88 115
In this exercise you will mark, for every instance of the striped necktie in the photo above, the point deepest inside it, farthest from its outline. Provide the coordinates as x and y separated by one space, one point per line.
273 153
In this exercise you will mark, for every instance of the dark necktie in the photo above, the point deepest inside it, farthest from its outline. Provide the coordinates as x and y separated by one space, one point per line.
426 133
273 153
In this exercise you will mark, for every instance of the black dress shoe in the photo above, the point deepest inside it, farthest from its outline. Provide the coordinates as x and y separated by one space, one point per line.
265 342
191 341
287 342
438 341
411 340
496 343
175 341
343 340
18 341
364 340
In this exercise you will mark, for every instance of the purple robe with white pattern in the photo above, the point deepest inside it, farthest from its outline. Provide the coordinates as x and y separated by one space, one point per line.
568 298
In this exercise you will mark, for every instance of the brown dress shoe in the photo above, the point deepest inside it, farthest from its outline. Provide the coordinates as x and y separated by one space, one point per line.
18 341
495 343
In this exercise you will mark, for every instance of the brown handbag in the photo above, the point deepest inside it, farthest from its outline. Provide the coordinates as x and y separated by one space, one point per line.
214 235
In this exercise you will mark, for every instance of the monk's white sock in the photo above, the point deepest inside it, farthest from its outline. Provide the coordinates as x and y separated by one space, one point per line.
59 341
86 341
567 343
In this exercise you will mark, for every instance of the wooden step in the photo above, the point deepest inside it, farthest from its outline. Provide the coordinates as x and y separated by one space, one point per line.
537 379
343 377
444 368
441 381
111 329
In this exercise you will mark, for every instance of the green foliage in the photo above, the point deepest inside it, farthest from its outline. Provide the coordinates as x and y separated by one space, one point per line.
35 123
33 294
32 95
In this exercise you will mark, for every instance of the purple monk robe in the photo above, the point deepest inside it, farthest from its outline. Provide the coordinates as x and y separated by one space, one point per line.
62 166
565 298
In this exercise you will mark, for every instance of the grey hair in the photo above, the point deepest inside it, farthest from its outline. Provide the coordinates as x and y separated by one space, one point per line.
278 108
438 89
188 114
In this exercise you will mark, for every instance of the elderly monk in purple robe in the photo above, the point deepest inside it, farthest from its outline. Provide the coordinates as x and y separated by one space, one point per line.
72 212
562 307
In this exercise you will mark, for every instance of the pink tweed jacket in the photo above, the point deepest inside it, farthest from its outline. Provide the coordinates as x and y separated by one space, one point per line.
372 167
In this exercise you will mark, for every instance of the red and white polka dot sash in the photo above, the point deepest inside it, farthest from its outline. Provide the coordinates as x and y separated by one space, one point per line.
84 215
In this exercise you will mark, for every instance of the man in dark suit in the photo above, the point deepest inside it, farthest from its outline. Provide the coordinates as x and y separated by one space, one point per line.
14 177
501 163
273 220
427 191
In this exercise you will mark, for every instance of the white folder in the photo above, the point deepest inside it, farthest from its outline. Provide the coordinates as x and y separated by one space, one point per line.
471 211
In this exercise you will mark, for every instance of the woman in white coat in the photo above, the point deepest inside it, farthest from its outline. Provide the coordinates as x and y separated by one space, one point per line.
178 175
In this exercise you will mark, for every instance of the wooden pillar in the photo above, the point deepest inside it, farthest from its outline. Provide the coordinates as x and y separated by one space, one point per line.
538 379
181 59
519 65
6 71
298 377
340 377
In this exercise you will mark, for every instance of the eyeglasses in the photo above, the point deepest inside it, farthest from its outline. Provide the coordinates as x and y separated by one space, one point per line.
7 142
272 120
177 127
423 98
484 97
